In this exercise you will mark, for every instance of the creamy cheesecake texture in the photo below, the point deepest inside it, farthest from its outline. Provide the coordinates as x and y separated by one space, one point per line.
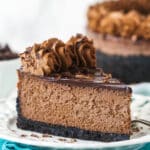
125 18
60 91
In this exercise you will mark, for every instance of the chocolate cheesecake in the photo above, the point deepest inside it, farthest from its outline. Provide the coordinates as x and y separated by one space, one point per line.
6 53
61 92
121 32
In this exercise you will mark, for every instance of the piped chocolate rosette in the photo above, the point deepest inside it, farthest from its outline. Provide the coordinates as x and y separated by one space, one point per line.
55 56
74 59
125 18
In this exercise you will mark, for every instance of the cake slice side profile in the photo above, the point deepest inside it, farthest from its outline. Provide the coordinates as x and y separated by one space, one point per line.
71 98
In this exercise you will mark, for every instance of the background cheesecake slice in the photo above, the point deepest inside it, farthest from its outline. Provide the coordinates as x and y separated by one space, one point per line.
73 99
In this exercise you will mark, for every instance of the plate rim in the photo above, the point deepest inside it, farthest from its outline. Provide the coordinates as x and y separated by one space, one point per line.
142 140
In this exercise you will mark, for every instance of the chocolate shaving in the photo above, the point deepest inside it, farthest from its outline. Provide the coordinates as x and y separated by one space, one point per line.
34 135
23 135
46 136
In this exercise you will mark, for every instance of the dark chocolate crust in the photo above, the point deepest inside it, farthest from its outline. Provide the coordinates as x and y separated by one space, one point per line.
130 69
71 132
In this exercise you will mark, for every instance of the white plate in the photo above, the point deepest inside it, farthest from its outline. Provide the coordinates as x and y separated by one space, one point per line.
140 109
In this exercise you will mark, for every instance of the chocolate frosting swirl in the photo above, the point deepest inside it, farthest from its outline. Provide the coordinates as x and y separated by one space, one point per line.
82 51
54 56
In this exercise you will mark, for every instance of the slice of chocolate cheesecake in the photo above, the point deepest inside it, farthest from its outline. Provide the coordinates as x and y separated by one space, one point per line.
61 92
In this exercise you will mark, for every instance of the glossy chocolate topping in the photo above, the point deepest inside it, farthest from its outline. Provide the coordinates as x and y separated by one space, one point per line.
54 56
93 78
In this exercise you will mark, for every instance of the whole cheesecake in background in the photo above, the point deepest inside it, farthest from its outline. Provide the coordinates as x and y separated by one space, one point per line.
121 33
6 53
61 92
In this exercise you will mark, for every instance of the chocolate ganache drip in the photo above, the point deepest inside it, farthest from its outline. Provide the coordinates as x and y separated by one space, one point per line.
54 56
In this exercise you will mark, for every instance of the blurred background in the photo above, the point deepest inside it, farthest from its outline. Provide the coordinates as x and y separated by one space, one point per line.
26 22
